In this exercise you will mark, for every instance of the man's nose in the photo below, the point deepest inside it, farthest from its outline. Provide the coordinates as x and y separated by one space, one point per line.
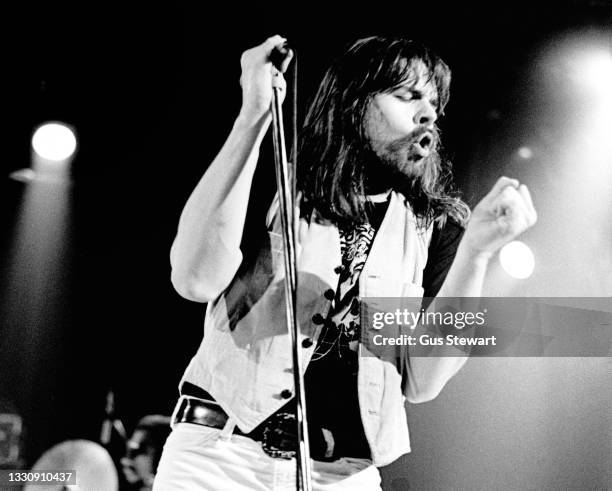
426 114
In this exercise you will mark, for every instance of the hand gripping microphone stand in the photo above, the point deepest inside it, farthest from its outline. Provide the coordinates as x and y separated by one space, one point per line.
284 183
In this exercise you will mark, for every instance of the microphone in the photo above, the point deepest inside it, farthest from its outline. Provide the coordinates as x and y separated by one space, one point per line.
279 57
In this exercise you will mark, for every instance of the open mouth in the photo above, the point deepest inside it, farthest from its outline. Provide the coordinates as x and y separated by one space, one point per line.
424 145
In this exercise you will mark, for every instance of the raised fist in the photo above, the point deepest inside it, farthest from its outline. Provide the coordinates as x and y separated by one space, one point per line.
501 215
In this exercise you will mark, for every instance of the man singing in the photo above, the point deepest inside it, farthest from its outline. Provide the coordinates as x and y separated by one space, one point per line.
376 219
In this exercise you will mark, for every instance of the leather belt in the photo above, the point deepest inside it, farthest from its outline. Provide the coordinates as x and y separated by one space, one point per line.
277 436
202 412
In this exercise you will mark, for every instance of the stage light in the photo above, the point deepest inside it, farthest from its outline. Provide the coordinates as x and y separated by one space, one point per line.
525 153
594 71
54 141
517 259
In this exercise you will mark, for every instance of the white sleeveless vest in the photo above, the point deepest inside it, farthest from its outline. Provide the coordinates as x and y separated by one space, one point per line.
244 360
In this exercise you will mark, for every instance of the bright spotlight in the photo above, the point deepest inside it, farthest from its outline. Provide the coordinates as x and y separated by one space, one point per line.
525 153
596 71
54 141
589 67
517 259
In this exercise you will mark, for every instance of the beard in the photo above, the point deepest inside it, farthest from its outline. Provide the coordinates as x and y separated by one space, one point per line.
400 164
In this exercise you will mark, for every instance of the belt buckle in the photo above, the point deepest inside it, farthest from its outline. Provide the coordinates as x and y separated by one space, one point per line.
279 436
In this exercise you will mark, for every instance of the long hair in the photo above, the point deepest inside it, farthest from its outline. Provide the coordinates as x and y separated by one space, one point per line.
334 149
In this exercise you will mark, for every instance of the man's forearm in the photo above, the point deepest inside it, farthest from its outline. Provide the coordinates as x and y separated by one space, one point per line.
206 254
432 366
466 275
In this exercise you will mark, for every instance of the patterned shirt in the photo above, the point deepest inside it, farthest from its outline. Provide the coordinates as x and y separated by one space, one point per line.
341 330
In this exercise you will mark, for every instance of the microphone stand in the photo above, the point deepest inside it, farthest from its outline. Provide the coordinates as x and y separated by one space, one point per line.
111 422
287 212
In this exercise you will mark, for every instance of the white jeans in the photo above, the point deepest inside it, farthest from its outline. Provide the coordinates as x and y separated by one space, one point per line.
198 458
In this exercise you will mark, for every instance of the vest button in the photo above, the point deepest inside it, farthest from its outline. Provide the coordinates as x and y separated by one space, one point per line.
318 319
329 294
286 394
307 343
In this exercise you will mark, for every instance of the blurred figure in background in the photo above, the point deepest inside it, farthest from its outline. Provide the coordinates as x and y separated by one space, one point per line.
143 451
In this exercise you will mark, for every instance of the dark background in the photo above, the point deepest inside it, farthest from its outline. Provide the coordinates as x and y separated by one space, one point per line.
152 91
